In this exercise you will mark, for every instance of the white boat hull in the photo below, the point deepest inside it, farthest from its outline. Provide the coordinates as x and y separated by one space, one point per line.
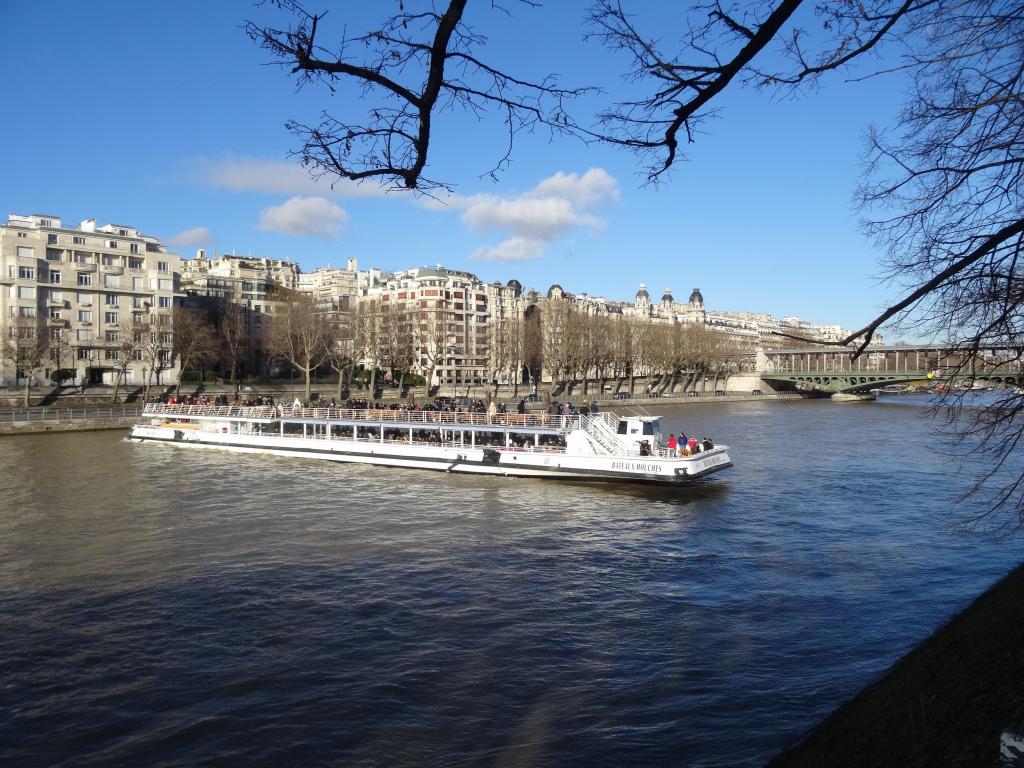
470 460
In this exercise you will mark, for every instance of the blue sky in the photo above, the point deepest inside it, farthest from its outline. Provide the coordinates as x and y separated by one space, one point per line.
164 116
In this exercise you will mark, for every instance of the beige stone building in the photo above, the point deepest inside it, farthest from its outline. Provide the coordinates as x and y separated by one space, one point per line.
99 294
450 329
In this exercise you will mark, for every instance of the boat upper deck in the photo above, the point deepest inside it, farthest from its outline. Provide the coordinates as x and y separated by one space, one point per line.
541 423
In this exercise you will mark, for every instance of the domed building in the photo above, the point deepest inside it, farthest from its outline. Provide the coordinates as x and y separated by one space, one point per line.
642 301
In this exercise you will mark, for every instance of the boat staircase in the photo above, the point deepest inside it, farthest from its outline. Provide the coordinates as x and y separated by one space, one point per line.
602 429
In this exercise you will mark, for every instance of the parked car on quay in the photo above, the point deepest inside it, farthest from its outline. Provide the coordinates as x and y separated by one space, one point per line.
693 393
719 393
532 398
622 396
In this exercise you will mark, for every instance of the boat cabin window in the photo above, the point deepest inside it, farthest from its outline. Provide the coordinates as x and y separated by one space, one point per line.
622 427
648 428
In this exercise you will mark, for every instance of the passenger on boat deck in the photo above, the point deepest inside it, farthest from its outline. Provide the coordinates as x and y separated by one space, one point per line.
593 407
708 445
297 403
692 445
672 442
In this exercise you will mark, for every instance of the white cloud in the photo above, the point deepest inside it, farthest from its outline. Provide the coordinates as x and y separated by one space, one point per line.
535 218
513 249
253 174
594 186
194 236
314 216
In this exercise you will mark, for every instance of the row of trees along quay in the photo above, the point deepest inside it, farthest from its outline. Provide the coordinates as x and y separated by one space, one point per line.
577 353
941 189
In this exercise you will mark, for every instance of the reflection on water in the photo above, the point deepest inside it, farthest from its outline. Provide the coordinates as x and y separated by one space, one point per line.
167 605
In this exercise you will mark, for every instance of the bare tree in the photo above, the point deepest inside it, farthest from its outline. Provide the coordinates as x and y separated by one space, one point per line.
341 352
194 340
25 347
396 335
434 338
301 335
411 67
235 340
123 348
155 340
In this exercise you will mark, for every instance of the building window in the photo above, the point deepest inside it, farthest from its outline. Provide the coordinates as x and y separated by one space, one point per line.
52 255
83 354
27 311
134 263
84 278
110 318
109 261
165 302
138 318
111 281
80 257
56 334
22 234
26 291
27 273
111 336
78 240
84 334
51 239
111 243
110 354
166 338
85 315
111 300
55 314
54 277
161 266
134 247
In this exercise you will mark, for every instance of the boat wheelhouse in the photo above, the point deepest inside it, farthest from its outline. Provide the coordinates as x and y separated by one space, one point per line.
601 446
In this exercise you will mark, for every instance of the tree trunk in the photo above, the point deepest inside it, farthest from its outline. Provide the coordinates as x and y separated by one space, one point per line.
308 372
27 398
117 386
373 382
430 378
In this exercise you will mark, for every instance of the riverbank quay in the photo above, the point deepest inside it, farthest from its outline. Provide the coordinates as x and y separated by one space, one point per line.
85 417
955 699
32 421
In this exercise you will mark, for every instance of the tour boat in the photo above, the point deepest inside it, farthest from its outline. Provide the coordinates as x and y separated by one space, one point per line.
601 446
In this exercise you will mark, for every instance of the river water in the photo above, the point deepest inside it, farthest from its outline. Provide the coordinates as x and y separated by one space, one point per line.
167 606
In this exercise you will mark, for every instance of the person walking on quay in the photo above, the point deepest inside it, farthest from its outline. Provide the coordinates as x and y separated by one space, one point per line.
593 407
521 408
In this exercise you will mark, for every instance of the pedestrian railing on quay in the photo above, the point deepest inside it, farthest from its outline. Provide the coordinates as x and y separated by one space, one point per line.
65 415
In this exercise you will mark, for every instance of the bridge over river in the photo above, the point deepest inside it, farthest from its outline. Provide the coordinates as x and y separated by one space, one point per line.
829 370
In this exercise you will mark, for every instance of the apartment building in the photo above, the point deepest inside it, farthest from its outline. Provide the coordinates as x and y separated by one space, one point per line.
450 330
332 289
98 299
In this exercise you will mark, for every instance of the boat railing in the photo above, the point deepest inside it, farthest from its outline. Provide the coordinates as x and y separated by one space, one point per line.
374 415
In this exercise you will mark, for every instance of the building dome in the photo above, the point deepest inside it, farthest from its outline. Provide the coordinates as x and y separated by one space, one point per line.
695 297
642 293
555 290
515 286
667 297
